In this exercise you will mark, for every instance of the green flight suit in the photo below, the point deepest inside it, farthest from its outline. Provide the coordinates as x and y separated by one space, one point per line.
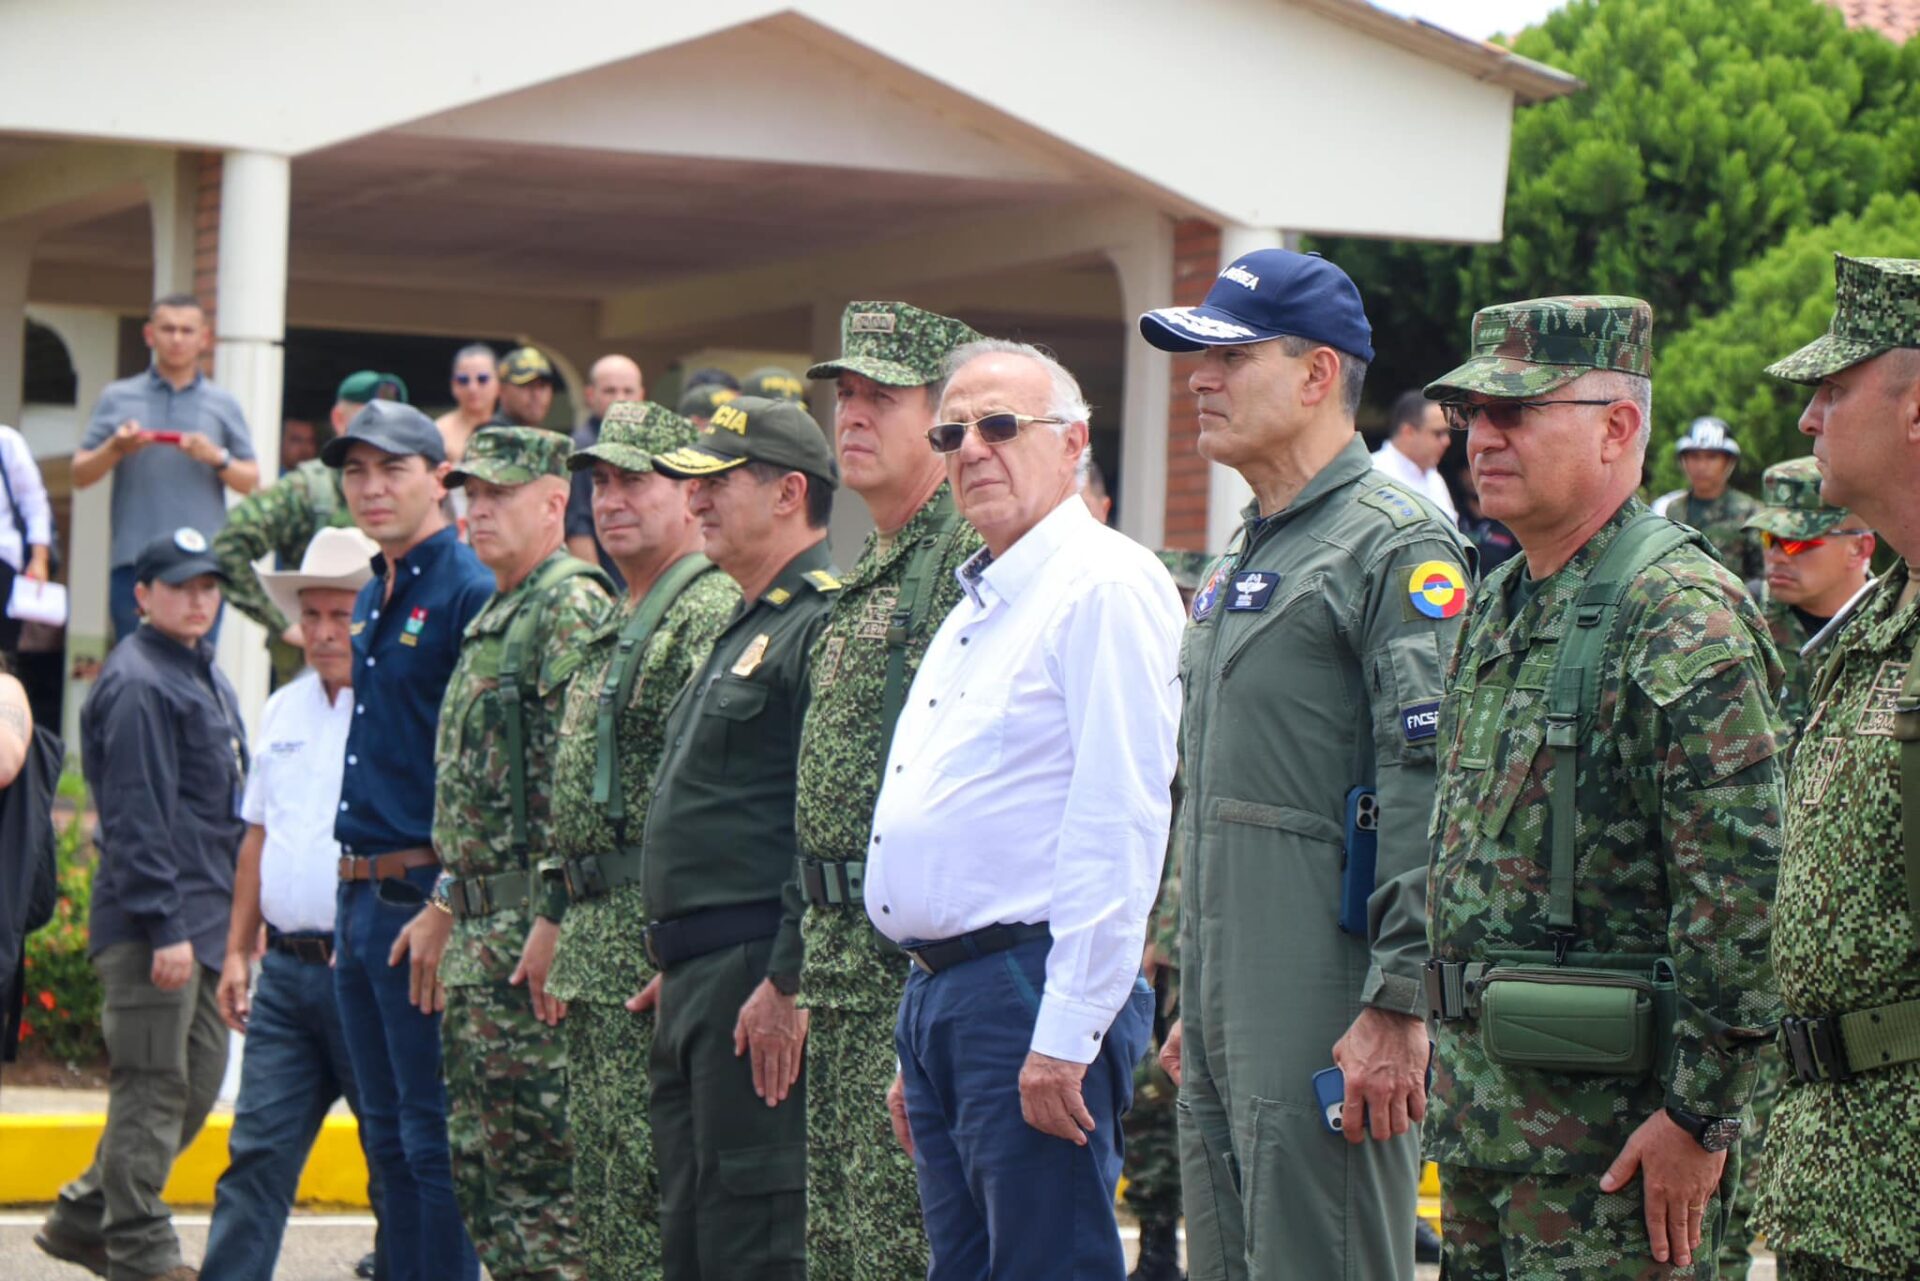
720 834
1313 666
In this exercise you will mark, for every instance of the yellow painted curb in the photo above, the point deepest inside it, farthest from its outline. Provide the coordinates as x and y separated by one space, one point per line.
40 1153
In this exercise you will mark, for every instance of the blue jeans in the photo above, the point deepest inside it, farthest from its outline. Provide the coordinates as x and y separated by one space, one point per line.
1001 1199
126 611
396 1065
294 1065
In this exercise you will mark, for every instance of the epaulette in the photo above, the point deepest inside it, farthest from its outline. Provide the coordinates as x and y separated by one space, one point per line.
821 580
1400 509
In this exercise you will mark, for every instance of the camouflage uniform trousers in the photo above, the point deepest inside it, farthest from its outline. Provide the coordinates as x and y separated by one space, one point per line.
616 1190
507 1125
863 1203
1807 1267
1501 1226
1736 1254
1152 1165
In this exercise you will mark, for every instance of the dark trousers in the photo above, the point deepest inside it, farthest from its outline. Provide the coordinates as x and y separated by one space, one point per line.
1001 1199
125 611
733 1171
166 1052
294 1065
395 1051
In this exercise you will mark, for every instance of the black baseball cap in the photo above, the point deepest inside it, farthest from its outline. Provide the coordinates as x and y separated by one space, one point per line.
176 557
392 427
1269 293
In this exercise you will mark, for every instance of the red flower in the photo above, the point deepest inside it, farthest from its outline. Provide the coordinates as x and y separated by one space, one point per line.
46 1001
26 1029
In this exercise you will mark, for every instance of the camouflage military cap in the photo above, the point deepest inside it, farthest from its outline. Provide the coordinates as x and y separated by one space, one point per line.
512 456
631 433
701 399
894 343
1876 307
1185 567
1526 348
1791 503
525 365
750 429
773 383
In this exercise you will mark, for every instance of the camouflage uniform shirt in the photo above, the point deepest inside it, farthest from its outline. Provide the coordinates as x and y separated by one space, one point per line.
1724 522
602 956
1842 1176
471 814
847 965
1789 633
1680 793
279 521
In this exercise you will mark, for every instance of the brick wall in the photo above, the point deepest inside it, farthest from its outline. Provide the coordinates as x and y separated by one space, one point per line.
1196 262
206 240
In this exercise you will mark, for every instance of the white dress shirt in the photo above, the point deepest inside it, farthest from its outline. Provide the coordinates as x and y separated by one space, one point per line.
1427 481
1031 770
30 492
293 790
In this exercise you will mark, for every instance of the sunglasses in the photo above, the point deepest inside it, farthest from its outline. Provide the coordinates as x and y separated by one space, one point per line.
994 429
1502 415
1794 546
464 379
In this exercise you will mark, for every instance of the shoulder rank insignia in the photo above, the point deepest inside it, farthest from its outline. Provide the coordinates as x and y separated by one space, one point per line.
1386 497
779 596
752 656
822 580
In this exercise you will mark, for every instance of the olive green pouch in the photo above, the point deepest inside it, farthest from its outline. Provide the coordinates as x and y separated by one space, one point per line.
1564 1019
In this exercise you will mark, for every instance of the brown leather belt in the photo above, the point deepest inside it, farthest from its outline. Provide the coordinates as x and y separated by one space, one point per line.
385 867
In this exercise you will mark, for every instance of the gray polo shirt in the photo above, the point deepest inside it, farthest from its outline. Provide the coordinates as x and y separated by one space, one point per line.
159 489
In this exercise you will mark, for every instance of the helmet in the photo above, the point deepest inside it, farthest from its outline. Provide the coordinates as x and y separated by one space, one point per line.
1708 434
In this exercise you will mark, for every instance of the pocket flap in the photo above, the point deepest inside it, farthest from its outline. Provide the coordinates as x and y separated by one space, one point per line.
760 1171
736 700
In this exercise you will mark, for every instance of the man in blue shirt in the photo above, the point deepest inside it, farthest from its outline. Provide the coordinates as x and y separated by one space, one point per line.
203 445
407 627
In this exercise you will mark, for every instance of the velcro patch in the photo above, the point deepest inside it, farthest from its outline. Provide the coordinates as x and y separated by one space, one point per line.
1251 591
1420 721
871 322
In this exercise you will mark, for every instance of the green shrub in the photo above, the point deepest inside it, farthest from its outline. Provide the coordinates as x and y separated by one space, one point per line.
62 1021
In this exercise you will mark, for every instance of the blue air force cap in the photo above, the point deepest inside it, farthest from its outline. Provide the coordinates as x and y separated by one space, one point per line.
1269 293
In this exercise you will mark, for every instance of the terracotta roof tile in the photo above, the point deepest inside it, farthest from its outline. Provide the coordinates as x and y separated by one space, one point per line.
1897 20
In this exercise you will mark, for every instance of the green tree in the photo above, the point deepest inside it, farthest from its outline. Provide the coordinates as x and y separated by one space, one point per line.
1708 131
1781 301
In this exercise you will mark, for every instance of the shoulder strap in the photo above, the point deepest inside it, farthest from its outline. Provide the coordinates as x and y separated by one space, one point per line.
1906 730
910 613
616 688
513 658
1573 694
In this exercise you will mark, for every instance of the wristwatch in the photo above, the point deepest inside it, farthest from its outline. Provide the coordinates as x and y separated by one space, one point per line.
226 460
1714 1133
437 897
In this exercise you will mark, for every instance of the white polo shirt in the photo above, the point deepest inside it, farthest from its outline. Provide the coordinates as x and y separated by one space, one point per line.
293 791
1420 480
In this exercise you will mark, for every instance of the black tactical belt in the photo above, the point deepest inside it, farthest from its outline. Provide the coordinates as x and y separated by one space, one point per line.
308 946
1839 1047
471 896
598 874
710 929
943 954
1453 989
833 883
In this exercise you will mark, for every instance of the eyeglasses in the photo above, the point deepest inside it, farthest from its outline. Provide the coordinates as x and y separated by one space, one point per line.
994 429
464 379
1794 546
1503 415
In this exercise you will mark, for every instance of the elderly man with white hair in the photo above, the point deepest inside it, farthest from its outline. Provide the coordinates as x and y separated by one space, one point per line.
1018 839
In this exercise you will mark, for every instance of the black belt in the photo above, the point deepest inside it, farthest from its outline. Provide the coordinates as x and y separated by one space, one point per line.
597 874
943 954
710 929
471 896
309 946
833 882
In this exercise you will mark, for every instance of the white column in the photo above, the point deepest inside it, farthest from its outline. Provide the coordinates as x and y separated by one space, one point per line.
16 262
1144 266
251 316
1227 493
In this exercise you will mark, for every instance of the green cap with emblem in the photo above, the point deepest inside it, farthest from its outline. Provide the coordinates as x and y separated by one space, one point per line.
701 399
370 385
773 383
754 429
631 433
1791 506
525 365
1876 307
512 456
894 343
1527 348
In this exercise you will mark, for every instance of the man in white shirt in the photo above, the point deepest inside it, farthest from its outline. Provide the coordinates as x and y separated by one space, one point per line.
1417 438
1018 839
295 1060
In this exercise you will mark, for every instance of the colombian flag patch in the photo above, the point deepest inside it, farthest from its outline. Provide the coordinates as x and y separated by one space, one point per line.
1437 589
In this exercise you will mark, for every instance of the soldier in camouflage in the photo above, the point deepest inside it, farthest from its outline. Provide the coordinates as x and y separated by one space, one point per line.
646 650
505 1060
1842 1176
1669 773
1708 454
280 519
863 1208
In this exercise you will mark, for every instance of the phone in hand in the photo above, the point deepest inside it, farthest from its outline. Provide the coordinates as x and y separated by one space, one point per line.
1330 1092
163 437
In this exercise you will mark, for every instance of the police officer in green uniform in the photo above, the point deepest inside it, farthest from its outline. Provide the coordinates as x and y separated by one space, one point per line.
863 1208
1709 454
610 741
1311 674
1605 833
774 383
729 1115
527 383
504 1059
1841 1182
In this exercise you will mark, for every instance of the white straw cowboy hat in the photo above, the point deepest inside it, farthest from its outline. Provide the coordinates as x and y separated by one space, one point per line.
338 558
